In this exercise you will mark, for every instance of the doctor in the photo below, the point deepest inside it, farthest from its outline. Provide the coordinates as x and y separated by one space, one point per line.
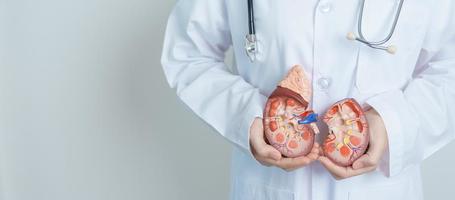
410 86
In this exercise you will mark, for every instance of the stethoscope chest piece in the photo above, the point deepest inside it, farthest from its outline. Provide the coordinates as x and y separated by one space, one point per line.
251 46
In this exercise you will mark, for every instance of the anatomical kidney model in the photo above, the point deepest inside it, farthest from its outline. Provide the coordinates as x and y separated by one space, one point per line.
348 132
289 125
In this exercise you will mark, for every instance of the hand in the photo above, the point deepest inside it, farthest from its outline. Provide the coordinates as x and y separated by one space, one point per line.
267 155
369 161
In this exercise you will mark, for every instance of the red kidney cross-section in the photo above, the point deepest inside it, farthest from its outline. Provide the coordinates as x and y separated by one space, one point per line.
286 106
348 132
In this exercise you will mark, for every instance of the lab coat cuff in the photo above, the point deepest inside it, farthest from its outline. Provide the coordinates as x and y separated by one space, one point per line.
253 110
389 105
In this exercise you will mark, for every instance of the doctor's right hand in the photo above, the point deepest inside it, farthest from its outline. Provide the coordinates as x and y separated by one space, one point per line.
267 155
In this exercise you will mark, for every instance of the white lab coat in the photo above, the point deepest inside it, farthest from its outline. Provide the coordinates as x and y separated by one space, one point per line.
413 90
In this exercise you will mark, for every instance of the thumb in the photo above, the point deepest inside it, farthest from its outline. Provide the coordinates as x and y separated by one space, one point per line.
273 153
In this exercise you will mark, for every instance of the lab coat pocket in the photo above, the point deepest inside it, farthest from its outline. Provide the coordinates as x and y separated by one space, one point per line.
378 73
378 70
394 191
243 190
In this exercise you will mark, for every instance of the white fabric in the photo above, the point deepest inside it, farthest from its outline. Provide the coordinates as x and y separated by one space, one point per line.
412 90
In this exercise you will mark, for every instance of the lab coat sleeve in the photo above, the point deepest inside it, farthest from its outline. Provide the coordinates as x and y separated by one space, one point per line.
196 39
420 119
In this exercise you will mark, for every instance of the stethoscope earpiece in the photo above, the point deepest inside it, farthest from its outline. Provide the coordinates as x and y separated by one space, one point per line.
351 36
392 49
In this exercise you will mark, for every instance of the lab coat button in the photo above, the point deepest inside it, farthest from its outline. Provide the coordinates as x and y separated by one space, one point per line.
325 7
324 83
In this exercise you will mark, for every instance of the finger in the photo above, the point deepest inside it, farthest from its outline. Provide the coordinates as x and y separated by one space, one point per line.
266 161
355 172
257 137
343 172
378 136
337 171
364 161
315 148
271 153
267 152
265 157
261 148
373 149
315 152
313 156
293 163
321 151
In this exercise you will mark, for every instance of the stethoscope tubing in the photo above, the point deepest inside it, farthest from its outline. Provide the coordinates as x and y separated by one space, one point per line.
251 37
251 25
362 38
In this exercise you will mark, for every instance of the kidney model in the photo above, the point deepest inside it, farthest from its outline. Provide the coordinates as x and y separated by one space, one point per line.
290 126
348 132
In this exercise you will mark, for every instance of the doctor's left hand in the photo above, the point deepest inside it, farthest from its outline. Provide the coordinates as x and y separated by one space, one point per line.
369 161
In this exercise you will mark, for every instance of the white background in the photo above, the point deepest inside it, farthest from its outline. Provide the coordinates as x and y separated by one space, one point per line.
85 111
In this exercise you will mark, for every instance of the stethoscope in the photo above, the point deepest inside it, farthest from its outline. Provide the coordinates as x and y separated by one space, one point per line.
251 47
